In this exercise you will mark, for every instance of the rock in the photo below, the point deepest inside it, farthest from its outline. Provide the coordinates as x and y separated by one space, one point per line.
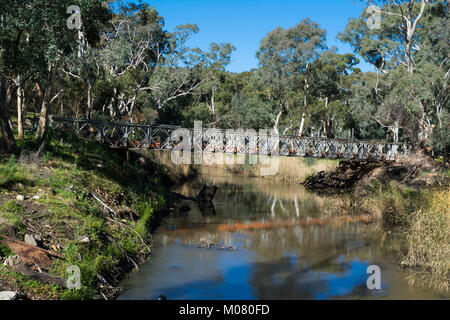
20 197
33 240
9 295
84 240
36 197
13 261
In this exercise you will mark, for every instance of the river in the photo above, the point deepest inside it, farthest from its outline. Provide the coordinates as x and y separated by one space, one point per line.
268 241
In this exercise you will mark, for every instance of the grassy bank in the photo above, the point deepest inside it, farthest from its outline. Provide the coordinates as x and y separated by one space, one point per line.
58 183
291 170
423 216
411 195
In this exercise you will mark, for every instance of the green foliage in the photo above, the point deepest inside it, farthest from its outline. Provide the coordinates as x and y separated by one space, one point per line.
309 162
11 211
13 206
146 213
5 251
7 171
440 141
142 72
410 95
72 213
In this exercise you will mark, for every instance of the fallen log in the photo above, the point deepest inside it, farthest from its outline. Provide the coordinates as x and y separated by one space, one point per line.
42 277
30 255
50 252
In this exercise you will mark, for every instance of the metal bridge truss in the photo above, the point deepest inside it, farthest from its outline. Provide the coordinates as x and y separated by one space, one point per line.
132 135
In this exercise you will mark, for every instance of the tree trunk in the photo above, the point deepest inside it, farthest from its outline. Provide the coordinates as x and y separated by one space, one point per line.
61 103
20 103
89 101
43 117
43 121
305 103
302 124
396 131
7 100
324 122
277 123
7 136
213 109
325 128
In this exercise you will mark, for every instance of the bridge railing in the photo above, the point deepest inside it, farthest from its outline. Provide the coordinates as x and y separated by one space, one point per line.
133 135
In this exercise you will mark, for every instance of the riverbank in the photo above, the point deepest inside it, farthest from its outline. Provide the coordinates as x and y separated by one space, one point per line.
84 203
289 170
411 194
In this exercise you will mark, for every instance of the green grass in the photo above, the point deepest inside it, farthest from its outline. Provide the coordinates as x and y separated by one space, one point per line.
396 202
5 251
11 211
428 241
8 171
424 218
23 284
309 162
67 171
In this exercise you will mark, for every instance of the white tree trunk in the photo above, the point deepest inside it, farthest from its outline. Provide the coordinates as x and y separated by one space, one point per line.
20 103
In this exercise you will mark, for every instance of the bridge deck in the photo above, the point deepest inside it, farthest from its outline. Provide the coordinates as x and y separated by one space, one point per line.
163 137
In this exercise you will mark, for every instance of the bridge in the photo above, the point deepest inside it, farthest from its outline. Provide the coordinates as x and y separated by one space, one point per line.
160 137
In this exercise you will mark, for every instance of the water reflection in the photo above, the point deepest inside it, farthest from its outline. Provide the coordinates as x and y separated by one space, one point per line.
267 242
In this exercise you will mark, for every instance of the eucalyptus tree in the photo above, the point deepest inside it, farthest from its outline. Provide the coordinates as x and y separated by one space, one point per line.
50 40
180 74
132 51
17 63
8 142
285 56
145 63
213 63
395 41
411 49
83 65
334 75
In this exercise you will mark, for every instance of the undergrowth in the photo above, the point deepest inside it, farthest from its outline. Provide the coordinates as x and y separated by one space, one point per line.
66 174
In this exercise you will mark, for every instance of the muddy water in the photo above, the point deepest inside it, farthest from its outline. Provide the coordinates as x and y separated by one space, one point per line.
268 241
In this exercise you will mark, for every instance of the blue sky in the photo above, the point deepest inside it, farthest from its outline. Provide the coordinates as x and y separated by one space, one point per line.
244 23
